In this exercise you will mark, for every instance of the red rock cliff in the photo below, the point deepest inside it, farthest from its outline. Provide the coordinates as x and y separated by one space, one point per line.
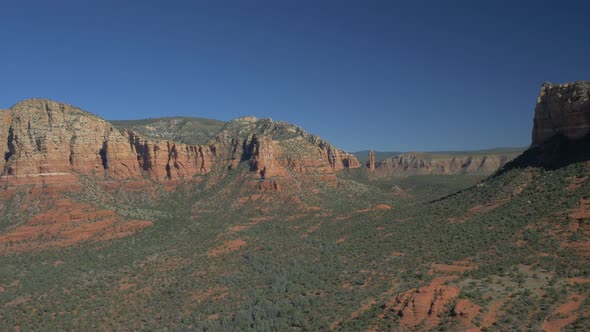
51 142
47 141
275 149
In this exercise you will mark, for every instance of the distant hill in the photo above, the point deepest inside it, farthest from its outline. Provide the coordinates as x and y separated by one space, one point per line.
395 164
363 156
188 130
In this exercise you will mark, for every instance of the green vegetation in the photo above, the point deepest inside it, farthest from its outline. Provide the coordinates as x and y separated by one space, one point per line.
189 130
305 269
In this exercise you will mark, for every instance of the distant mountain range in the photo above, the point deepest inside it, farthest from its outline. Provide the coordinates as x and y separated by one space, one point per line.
363 155
198 131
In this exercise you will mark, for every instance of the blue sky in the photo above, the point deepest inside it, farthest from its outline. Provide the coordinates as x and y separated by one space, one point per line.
383 75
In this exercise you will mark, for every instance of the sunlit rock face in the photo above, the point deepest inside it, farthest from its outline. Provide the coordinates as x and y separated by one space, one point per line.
51 142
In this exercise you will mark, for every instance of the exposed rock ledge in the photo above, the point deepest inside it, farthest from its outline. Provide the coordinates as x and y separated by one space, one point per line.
45 139
562 109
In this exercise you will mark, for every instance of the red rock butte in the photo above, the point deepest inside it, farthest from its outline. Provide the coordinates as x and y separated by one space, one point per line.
48 142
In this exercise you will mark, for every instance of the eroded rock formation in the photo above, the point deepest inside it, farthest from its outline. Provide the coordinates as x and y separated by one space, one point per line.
162 160
414 164
562 109
51 142
371 163
276 151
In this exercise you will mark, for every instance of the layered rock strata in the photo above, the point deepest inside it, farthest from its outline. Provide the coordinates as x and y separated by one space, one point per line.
408 164
562 109
51 142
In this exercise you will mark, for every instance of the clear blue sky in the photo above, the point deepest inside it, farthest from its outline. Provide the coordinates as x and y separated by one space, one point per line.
385 75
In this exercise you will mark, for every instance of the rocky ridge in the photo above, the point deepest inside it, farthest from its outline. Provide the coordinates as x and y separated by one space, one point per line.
50 142
188 130
408 164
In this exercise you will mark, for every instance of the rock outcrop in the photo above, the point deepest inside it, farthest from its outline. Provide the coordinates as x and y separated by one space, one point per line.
50 142
188 130
275 149
371 163
562 109
424 305
163 160
408 164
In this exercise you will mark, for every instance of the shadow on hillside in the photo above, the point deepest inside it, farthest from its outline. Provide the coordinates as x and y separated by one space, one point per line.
556 153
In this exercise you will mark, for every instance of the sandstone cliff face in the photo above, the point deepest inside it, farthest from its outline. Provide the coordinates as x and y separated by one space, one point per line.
50 142
46 139
562 109
162 160
413 164
278 149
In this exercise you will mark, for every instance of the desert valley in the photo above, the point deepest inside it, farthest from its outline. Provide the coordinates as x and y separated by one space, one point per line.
253 224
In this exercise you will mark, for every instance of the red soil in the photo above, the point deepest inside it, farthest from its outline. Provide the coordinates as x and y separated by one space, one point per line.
376 208
227 247
311 230
382 207
422 306
577 182
216 293
239 228
126 286
564 315
583 211
578 224
249 198
466 311
491 316
65 223
579 280
253 221
478 209
18 301
456 267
